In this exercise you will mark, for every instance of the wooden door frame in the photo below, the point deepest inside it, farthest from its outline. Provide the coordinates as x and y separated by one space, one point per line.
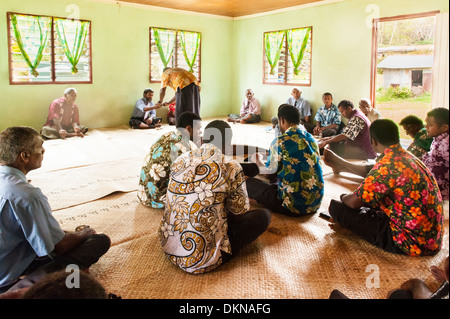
373 63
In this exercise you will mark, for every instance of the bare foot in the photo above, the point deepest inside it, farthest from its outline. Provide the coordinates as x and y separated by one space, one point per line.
331 159
438 274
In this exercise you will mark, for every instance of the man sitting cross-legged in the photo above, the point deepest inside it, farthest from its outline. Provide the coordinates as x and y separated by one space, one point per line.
32 241
296 184
398 206
155 171
206 220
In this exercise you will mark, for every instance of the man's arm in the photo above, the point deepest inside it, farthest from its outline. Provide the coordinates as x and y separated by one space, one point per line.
72 240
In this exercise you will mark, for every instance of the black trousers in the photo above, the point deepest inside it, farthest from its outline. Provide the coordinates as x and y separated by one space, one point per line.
371 225
250 226
187 99
266 194
85 255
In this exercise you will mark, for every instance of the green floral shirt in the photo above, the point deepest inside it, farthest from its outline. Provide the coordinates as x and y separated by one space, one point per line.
421 144
155 171
403 188
295 157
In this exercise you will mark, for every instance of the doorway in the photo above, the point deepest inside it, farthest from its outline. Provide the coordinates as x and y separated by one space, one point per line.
402 66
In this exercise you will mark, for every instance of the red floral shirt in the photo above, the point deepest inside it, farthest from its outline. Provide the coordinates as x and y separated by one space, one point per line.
402 187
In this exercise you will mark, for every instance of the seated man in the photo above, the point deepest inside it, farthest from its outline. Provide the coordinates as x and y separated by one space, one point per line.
32 242
250 110
144 114
354 141
398 206
366 107
63 118
155 171
206 220
437 160
414 128
293 167
328 118
304 108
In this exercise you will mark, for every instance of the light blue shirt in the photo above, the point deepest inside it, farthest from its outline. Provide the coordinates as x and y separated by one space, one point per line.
138 111
303 106
27 226
329 116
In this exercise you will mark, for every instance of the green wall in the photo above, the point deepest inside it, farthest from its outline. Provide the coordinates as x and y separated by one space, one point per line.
232 55
341 49
120 59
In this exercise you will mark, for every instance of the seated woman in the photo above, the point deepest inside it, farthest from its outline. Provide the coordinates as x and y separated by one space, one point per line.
354 141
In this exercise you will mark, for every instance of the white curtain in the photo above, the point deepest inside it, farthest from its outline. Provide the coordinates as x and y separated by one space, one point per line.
440 90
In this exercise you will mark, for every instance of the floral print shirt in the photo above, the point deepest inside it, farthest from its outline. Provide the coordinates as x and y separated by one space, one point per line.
177 78
437 161
295 157
406 191
205 186
155 171
421 144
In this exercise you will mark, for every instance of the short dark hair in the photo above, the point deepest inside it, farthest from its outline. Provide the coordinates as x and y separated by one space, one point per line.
187 119
347 104
327 94
289 113
440 115
54 286
146 91
385 131
412 120
226 134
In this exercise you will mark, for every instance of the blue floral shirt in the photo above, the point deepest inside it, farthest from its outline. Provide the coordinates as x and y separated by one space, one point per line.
155 170
295 157
328 116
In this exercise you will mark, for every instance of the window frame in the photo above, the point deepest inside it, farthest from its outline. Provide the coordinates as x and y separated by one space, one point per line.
52 52
286 58
175 53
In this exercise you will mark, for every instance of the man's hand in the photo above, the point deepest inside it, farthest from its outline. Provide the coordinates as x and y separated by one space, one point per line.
62 133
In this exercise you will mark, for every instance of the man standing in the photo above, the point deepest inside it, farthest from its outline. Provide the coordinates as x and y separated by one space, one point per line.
63 118
144 114
32 242
187 90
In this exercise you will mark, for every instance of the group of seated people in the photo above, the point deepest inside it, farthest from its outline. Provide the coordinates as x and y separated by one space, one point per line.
206 193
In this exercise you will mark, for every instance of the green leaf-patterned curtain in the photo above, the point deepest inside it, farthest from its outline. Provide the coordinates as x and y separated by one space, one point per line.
31 28
190 42
72 35
165 43
273 43
297 40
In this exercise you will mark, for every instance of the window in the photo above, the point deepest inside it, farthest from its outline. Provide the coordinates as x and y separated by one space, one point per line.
48 50
287 57
174 48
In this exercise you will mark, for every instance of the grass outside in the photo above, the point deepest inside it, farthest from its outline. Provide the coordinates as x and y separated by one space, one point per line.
397 109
